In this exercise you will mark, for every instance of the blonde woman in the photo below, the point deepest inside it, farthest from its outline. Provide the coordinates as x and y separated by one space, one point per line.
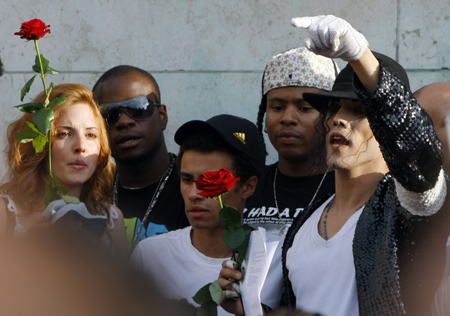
80 159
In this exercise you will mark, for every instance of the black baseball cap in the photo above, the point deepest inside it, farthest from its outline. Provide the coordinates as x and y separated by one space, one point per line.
239 133
343 85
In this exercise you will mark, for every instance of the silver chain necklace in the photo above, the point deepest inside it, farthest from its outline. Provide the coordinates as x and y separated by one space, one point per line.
159 188
275 189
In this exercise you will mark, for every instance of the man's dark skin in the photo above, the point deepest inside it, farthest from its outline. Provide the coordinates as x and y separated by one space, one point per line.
138 147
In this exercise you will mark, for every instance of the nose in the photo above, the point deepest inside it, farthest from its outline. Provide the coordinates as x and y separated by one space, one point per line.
194 193
289 116
80 146
339 120
124 120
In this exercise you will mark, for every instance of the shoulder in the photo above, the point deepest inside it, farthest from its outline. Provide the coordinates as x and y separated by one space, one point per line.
115 212
3 205
269 170
3 216
162 240
167 243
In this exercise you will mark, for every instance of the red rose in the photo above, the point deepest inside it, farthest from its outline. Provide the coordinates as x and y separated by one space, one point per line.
214 183
33 30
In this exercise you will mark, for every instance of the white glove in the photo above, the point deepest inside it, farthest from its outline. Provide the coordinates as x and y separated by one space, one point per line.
332 37
57 209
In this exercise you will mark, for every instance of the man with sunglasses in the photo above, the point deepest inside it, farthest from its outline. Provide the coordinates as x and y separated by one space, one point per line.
146 184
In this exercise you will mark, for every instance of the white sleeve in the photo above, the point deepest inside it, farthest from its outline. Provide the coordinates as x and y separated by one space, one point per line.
425 203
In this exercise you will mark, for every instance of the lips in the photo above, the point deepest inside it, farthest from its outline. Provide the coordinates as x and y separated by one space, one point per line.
338 141
288 137
127 138
196 211
78 164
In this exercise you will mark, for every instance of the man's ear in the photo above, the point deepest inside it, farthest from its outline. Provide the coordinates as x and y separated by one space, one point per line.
163 115
249 187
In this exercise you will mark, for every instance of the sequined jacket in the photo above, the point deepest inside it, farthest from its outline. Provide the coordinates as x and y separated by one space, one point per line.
398 247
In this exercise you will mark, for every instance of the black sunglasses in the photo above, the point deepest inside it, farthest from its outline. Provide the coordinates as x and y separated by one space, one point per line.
139 109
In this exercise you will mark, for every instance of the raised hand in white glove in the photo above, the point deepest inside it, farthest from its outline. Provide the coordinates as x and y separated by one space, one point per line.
75 218
57 209
332 37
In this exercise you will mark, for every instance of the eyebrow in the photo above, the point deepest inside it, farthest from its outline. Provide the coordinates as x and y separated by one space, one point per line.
297 100
71 128
187 174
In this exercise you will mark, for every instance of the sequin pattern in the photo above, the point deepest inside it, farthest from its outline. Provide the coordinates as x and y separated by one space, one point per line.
391 245
404 131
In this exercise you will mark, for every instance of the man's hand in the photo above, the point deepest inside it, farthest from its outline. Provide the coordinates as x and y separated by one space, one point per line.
228 275
332 37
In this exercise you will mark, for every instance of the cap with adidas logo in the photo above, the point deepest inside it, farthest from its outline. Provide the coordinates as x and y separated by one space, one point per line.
239 133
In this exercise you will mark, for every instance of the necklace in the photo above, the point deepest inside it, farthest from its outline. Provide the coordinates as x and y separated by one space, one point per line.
161 184
275 189
325 235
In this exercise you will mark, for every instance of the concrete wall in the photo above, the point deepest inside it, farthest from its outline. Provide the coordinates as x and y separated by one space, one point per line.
207 55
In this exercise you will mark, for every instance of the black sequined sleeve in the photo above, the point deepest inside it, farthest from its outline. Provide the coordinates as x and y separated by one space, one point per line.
404 131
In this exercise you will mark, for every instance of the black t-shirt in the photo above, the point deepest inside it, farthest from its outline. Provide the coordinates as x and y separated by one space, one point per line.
167 214
294 194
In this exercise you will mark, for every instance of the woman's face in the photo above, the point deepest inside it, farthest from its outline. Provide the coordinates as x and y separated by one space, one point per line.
75 147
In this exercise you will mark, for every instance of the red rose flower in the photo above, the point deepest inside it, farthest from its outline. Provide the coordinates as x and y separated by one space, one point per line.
33 30
214 183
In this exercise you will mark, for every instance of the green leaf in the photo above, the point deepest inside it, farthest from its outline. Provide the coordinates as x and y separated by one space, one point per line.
43 119
31 125
37 66
52 195
216 292
39 143
230 218
49 90
70 199
242 248
30 107
234 238
27 135
56 101
52 71
62 190
47 95
203 295
207 309
26 88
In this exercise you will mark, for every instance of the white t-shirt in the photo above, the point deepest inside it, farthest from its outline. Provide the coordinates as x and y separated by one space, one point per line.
181 270
322 272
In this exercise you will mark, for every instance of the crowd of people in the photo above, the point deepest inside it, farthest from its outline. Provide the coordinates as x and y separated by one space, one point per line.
357 201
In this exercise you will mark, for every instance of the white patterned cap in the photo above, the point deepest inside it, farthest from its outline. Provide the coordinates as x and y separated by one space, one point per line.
299 67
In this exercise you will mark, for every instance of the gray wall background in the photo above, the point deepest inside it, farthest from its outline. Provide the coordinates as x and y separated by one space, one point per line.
208 56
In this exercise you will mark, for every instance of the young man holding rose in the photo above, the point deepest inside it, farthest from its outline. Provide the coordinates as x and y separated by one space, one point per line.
193 256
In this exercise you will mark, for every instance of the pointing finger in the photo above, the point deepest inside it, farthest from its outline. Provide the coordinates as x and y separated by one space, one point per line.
303 22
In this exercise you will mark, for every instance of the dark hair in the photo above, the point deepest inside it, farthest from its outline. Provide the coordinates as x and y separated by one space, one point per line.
124 70
261 112
243 162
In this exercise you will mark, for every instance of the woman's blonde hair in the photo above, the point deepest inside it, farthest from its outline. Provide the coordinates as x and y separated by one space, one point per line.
29 171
